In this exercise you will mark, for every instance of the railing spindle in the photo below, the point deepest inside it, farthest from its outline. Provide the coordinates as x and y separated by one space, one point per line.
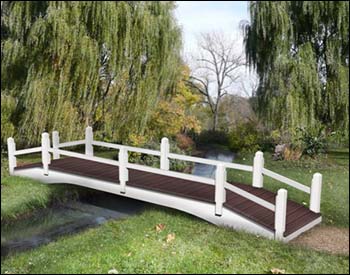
280 213
258 178
164 154
220 193
315 194
11 148
123 171
45 155
55 144
89 137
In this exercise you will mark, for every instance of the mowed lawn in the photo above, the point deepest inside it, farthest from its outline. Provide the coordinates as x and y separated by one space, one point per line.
188 244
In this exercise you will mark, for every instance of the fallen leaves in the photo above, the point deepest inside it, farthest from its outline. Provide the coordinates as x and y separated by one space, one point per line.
113 271
277 271
170 238
160 227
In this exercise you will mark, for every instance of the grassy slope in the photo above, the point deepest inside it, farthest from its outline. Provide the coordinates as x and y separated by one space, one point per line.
133 245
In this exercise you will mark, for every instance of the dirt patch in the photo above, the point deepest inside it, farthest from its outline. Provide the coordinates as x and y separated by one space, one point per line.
325 238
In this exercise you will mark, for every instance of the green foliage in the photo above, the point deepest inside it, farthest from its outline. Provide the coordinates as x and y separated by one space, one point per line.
8 105
211 137
174 113
245 137
300 50
313 141
69 64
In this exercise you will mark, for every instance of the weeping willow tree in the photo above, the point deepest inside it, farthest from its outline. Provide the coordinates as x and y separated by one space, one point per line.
300 50
69 64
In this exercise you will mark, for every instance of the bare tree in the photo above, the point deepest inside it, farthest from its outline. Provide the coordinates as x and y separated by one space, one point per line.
217 70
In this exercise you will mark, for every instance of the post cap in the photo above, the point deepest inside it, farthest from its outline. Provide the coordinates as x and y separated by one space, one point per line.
317 176
282 192
165 140
259 154
10 140
45 135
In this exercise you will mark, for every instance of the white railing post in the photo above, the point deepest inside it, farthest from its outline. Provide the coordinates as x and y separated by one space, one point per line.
315 193
164 153
123 171
280 213
220 192
89 137
258 177
11 149
55 144
45 155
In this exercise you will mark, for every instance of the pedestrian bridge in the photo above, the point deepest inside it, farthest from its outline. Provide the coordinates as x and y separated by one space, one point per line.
251 207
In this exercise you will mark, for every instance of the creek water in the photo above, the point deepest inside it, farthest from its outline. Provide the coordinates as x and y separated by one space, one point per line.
46 225
206 170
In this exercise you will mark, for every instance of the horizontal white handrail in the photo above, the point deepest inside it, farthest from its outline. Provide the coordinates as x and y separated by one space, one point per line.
86 157
211 162
71 143
129 148
287 181
106 144
250 196
168 173
142 150
27 151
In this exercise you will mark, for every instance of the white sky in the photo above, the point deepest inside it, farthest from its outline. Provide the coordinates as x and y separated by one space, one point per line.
204 16
195 17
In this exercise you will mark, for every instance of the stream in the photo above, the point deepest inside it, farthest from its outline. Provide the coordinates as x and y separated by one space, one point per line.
46 225
206 170
49 224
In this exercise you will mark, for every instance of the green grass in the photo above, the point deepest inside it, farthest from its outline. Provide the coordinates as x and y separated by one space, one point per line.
335 189
133 246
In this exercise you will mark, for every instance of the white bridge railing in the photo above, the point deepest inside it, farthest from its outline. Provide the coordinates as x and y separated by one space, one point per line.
220 183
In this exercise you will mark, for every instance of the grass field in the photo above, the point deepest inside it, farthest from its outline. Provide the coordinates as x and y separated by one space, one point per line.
134 246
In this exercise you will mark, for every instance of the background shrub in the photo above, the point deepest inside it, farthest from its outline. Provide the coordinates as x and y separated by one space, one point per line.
245 137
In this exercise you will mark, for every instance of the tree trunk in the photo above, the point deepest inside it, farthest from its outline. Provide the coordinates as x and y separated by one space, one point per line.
215 120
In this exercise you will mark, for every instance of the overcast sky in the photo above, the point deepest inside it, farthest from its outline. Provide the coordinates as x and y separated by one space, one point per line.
195 17
204 16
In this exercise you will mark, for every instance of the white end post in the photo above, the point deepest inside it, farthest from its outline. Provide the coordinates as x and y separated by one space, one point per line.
280 213
11 149
258 178
123 171
164 152
220 192
89 137
315 194
55 144
45 155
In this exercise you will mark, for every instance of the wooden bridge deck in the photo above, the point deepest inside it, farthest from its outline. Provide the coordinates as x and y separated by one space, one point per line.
297 215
